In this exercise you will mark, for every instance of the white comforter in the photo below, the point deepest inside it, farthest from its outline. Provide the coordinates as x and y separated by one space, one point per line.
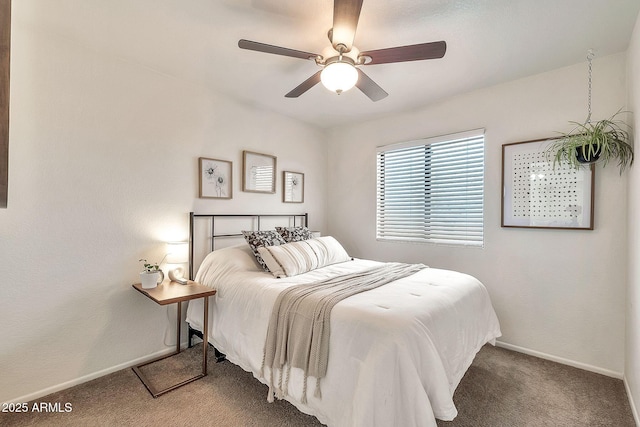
396 353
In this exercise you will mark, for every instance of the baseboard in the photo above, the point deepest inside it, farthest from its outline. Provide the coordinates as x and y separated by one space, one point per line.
44 392
634 409
562 360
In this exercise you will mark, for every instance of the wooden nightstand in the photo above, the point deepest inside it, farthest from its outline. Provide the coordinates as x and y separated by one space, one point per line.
173 292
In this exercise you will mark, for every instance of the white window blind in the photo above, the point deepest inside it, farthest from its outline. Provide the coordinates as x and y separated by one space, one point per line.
432 190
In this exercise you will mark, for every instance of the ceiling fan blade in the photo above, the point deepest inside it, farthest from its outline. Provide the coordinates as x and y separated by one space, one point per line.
305 86
345 21
369 87
277 50
415 52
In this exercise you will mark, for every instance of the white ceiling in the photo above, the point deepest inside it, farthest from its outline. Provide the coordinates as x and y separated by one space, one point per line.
488 42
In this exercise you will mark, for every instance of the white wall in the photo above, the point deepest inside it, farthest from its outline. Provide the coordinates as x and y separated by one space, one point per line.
632 353
559 293
103 169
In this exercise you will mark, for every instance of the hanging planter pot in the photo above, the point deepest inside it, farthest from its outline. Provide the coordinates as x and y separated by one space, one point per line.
588 154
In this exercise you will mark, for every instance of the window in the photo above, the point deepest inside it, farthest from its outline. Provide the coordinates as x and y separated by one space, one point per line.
431 190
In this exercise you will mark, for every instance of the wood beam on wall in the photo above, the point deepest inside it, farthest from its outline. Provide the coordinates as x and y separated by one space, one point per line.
5 55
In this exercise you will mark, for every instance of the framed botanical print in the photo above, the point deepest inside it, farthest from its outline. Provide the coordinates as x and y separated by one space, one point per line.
258 173
215 178
292 187
536 193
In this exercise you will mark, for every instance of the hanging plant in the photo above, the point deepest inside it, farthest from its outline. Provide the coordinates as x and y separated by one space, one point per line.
588 142
603 141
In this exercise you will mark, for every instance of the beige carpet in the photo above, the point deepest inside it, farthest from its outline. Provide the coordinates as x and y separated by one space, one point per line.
502 388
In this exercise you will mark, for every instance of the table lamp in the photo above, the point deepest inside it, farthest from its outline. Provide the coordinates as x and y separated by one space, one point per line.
177 254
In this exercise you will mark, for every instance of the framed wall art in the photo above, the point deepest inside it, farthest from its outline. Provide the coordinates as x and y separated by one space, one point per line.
258 172
215 178
292 187
538 194
5 59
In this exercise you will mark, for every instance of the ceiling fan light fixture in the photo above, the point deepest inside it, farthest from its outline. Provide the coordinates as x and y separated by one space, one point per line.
339 76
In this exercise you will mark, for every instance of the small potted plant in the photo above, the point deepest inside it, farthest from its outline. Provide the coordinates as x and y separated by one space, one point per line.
151 276
604 140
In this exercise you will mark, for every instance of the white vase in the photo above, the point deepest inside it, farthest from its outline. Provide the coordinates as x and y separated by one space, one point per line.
151 279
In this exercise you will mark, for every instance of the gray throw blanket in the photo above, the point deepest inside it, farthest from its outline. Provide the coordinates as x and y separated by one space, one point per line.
298 333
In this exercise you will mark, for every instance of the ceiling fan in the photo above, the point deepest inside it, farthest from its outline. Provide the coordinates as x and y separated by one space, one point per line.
341 71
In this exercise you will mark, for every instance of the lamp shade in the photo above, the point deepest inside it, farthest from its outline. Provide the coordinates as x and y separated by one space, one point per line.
339 76
177 252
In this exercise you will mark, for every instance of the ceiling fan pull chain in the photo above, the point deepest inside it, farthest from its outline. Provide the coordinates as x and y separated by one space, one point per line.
590 56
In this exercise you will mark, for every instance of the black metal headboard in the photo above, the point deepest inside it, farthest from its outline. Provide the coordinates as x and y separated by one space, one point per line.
256 221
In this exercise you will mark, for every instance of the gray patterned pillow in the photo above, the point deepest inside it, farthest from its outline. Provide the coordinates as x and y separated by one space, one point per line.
294 234
258 239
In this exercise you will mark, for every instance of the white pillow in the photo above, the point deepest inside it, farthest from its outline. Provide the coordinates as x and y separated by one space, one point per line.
296 258
223 261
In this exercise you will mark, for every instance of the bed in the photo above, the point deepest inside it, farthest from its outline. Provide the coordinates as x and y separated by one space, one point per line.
396 352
